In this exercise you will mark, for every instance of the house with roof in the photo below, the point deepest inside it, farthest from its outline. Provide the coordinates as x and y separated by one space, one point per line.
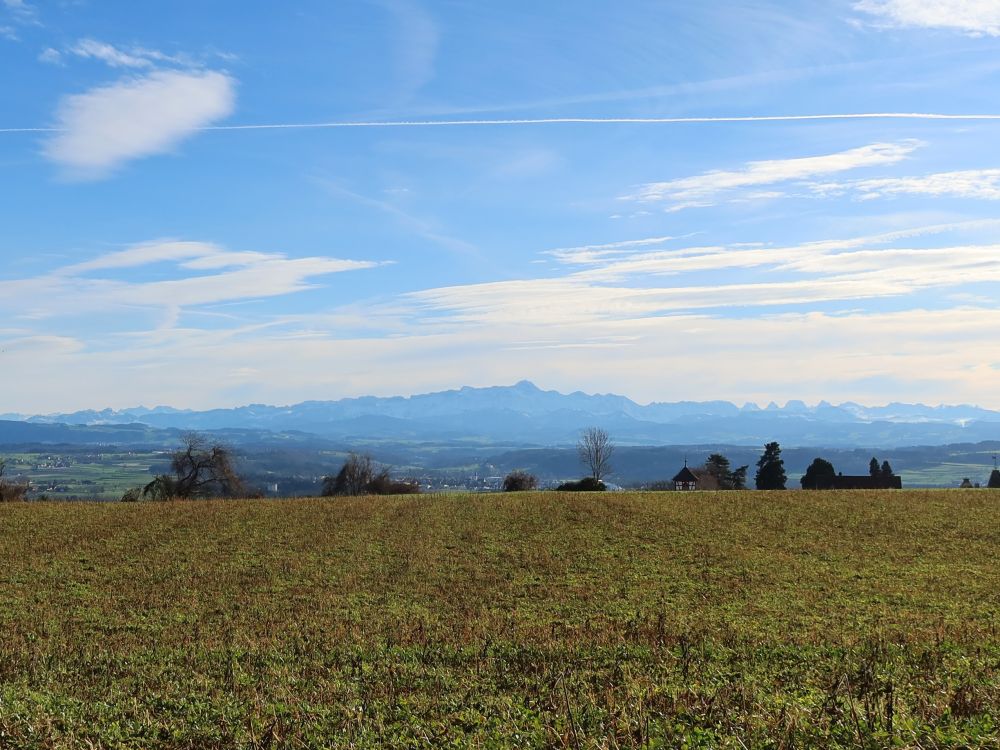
685 481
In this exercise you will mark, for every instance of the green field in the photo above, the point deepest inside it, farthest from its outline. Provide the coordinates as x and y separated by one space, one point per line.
736 620
84 474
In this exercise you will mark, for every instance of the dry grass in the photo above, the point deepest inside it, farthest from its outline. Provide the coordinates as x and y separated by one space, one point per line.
621 620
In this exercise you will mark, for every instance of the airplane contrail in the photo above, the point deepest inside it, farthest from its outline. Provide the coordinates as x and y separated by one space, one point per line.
570 121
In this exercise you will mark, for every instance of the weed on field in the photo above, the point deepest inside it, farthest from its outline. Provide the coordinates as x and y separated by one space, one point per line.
698 620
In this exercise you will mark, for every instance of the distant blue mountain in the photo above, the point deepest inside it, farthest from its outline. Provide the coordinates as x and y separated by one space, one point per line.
523 414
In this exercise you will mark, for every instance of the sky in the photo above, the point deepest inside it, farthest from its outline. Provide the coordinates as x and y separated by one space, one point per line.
215 204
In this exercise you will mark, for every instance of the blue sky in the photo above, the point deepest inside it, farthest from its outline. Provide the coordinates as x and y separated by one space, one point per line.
156 251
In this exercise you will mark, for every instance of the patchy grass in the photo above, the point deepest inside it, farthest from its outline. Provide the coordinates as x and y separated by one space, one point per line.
734 620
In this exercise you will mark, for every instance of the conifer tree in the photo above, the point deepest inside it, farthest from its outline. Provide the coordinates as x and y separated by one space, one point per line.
771 469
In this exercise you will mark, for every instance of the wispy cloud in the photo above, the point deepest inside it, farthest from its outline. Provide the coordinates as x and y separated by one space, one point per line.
21 11
136 117
977 17
416 46
107 53
598 254
625 305
16 13
981 184
204 274
707 188
115 57
635 287
420 226
235 366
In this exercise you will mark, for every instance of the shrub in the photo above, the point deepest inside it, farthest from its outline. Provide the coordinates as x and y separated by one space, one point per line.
11 492
383 484
360 475
519 481
587 484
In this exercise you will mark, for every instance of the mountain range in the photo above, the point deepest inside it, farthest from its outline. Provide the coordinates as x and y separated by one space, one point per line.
524 414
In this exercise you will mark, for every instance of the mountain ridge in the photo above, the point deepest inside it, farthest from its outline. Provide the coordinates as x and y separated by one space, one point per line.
529 415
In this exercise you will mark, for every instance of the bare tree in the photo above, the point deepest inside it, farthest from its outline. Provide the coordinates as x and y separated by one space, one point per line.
353 478
595 449
360 475
200 469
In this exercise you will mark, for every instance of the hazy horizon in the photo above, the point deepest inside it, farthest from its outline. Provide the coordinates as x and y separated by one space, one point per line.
742 405
214 206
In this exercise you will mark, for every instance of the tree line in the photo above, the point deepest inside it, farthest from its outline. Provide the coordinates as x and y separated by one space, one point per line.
202 469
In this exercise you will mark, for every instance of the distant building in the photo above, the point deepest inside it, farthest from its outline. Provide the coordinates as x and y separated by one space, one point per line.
866 482
966 484
685 481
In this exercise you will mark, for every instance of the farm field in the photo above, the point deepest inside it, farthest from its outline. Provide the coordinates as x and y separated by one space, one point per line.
80 474
730 620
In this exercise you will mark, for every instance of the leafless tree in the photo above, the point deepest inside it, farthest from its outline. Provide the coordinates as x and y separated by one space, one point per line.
200 469
354 476
360 475
595 449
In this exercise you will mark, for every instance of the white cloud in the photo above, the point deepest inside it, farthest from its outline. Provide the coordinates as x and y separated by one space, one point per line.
117 57
982 184
21 11
978 17
207 274
587 254
136 117
620 305
188 254
836 357
633 287
705 189
51 56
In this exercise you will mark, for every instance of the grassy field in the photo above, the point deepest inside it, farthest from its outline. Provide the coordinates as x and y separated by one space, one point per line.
735 620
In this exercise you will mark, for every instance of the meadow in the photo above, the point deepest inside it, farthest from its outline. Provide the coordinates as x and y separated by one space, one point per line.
624 620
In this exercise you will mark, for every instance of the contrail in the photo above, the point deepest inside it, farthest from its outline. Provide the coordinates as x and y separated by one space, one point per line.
610 121
569 121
